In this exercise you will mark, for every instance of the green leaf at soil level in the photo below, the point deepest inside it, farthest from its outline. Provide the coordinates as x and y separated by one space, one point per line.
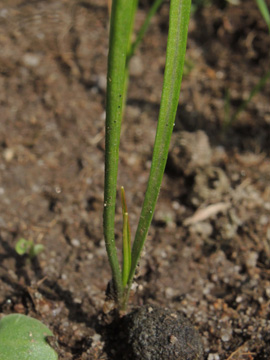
24 338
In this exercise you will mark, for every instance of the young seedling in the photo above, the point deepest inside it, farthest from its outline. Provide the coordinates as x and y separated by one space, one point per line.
126 250
27 247
228 119
264 12
24 338
120 48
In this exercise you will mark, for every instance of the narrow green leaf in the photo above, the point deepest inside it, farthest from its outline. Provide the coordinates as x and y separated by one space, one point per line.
126 254
176 48
257 88
134 10
264 11
129 244
154 8
120 27
126 228
123 200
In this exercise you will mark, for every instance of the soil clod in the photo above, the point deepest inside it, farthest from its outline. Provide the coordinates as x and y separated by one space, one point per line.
155 333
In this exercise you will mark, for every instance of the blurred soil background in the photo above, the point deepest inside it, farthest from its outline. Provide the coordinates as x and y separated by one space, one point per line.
208 250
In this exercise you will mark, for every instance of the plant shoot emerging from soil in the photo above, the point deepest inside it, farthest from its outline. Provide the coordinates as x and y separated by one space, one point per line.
229 120
27 247
120 50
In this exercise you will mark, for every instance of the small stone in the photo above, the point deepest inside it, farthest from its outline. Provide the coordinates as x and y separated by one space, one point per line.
96 338
173 339
8 154
251 259
225 335
239 299
213 356
169 293
75 242
267 290
108 306
31 60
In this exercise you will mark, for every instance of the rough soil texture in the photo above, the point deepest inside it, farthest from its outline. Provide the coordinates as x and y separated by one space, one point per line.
155 333
208 250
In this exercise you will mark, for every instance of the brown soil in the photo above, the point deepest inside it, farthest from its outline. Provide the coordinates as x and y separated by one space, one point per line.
213 265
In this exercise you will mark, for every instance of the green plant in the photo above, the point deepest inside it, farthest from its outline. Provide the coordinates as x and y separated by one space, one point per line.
154 8
122 18
24 338
264 12
199 4
257 88
228 119
27 247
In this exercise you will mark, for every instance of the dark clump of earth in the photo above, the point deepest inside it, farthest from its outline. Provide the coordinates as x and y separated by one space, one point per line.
155 333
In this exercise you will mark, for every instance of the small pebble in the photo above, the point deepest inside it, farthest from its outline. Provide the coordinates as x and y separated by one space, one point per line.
96 338
8 154
31 60
251 259
225 335
213 357
75 242
267 290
